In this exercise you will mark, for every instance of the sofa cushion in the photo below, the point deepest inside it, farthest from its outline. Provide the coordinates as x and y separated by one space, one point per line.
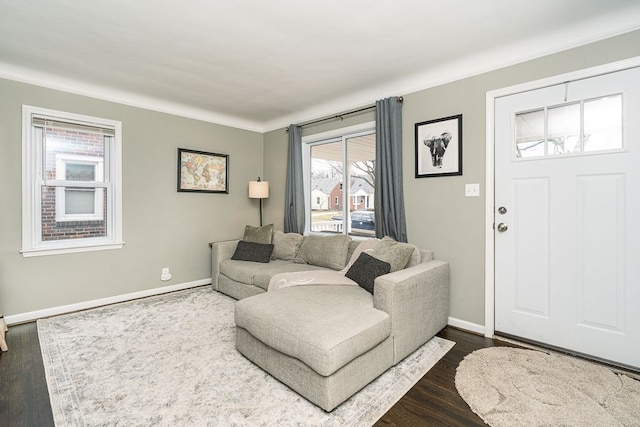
324 251
249 251
262 234
286 245
259 274
325 327
395 253
244 271
262 278
365 270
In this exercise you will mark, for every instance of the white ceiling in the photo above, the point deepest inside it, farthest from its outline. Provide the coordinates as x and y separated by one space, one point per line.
262 64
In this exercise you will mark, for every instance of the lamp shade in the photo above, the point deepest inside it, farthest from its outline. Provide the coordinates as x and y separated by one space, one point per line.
258 189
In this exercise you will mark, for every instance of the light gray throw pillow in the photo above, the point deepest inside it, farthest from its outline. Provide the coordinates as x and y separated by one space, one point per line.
258 234
286 245
395 253
324 251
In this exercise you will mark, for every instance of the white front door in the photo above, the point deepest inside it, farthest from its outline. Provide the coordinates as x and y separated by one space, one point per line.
567 216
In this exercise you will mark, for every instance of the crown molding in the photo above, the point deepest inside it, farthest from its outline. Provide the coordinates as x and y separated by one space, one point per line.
50 81
470 66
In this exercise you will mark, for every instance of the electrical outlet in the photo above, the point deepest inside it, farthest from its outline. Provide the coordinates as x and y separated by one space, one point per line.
166 276
472 190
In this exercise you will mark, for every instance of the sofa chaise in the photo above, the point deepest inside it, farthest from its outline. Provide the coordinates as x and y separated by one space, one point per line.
327 342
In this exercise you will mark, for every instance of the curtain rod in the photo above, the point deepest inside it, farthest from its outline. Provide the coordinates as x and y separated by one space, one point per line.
341 116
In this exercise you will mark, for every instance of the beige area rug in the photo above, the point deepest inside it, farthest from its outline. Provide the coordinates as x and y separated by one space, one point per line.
517 387
170 360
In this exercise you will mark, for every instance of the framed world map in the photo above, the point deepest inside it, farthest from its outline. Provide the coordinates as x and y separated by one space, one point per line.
199 171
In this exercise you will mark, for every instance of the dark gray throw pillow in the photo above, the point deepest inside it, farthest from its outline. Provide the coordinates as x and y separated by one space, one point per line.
365 270
250 251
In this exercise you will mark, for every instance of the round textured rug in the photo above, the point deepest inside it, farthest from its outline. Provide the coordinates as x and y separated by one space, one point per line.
509 386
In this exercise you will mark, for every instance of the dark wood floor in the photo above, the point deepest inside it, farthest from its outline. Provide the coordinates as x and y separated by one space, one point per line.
433 401
24 399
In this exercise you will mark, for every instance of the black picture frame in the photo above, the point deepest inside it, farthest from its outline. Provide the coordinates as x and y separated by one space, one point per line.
439 147
202 172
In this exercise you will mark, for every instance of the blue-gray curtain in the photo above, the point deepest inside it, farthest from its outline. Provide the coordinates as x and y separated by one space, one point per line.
294 191
389 195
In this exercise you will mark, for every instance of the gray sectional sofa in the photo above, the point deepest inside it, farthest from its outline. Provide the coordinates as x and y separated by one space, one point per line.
328 341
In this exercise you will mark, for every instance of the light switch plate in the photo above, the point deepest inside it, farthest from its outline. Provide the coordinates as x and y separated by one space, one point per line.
472 190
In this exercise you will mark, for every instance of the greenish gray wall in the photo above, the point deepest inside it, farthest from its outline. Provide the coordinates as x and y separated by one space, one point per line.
439 217
161 227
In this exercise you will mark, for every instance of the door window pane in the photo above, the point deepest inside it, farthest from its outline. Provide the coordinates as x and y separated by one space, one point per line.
603 123
563 129
575 128
530 134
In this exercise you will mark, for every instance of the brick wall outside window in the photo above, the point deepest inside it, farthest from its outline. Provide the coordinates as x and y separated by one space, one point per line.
69 142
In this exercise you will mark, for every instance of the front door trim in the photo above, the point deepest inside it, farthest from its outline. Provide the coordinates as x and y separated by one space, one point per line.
489 279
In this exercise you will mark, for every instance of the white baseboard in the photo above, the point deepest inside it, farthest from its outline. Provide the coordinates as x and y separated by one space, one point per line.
463 324
54 311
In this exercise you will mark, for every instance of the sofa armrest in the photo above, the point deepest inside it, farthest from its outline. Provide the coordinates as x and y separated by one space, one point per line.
220 251
417 299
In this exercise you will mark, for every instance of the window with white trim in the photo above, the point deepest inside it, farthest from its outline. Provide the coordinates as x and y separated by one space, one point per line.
341 165
71 182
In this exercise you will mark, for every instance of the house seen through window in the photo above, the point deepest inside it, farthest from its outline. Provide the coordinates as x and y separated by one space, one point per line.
341 173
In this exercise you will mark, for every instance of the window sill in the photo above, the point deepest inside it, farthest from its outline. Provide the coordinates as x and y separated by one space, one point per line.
27 253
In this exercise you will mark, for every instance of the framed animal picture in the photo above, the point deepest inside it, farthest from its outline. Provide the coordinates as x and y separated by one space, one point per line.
439 147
